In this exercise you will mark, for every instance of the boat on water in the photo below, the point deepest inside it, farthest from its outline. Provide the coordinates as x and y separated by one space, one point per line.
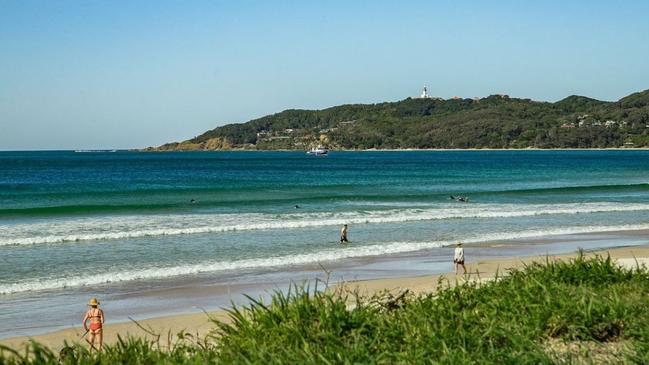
317 151
94 151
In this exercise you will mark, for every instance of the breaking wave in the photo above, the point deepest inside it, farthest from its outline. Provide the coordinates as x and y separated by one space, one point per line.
330 254
125 227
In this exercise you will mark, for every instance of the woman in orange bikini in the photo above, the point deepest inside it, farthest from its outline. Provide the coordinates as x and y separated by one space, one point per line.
96 318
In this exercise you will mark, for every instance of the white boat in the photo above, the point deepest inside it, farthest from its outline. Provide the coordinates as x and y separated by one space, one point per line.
94 151
318 151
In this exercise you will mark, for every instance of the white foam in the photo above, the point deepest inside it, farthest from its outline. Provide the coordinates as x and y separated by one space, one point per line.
167 272
332 254
125 227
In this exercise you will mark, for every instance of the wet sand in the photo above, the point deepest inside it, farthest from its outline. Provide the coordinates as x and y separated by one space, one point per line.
200 323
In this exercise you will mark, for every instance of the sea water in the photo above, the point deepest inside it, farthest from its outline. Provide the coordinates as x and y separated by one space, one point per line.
116 224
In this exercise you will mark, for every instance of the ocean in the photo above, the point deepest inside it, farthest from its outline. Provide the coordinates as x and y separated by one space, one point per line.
134 228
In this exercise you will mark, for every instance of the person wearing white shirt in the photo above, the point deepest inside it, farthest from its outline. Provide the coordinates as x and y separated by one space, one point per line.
458 258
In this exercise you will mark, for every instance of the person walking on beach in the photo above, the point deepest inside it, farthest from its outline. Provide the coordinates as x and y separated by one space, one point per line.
343 234
96 318
458 258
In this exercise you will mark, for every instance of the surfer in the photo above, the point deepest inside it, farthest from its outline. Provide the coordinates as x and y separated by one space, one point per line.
96 318
343 234
460 198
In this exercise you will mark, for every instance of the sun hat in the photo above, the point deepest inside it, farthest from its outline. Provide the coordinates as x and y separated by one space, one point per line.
93 301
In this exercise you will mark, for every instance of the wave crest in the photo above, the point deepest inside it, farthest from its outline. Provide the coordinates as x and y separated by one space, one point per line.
121 227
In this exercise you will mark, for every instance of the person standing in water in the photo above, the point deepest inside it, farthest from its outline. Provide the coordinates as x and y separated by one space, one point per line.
458 258
96 318
343 234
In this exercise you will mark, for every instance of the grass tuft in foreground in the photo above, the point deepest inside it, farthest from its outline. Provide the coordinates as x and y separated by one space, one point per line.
582 311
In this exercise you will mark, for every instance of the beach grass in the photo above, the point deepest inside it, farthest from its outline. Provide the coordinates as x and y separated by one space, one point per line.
583 310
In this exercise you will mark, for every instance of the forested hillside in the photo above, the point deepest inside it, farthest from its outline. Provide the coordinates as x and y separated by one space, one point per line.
497 121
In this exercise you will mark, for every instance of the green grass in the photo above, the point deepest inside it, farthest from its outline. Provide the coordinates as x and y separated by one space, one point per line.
582 311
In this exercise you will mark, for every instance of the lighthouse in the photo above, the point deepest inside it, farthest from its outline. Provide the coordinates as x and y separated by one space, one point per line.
424 93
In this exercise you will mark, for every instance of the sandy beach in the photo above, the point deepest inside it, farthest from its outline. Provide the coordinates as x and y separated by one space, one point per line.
201 324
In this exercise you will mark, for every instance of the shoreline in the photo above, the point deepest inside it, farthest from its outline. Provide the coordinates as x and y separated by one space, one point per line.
122 150
200 325
400 149
144 300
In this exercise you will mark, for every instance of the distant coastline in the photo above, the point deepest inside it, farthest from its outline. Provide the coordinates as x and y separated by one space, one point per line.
405 149
496 122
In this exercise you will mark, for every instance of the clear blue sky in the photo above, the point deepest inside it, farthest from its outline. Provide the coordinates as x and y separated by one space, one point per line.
121 74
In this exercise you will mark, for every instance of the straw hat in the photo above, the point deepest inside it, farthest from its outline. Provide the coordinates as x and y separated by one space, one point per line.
93 301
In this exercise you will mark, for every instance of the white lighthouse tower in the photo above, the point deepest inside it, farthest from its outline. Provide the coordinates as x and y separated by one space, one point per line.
424 93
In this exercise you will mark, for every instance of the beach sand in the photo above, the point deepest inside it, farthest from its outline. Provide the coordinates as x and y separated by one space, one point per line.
201 325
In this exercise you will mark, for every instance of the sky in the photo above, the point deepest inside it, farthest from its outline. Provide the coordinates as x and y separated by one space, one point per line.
129 74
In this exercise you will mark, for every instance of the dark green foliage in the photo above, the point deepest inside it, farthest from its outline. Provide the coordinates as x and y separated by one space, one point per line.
491 122
517 319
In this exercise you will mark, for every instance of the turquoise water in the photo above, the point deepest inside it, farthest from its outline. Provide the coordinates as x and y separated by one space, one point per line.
79 223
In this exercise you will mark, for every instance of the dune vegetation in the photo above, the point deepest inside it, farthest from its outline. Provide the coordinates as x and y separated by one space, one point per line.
586 310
